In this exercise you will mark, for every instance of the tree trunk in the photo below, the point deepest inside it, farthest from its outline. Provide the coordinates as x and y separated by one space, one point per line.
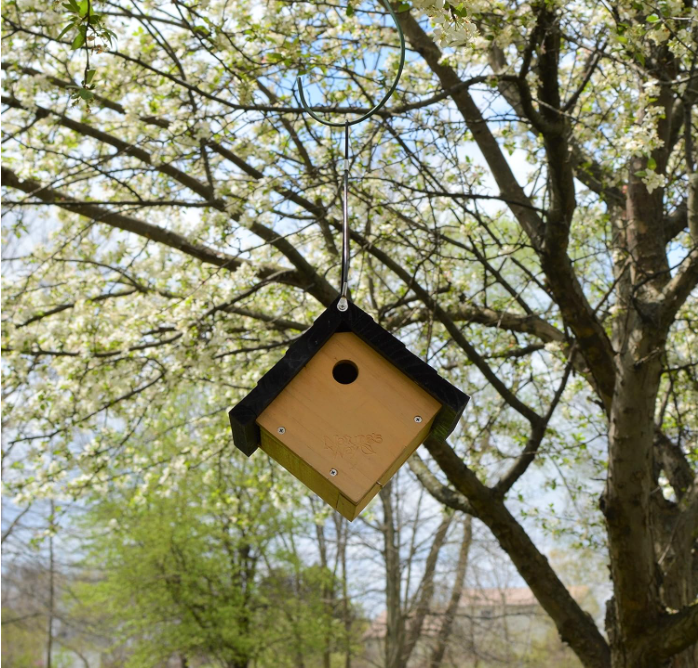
51 590
327 594
636 577
394 623
649 549
426 591
437 656
342 527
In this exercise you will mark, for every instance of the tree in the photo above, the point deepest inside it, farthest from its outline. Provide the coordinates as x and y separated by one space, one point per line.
406 532
177 229
197 567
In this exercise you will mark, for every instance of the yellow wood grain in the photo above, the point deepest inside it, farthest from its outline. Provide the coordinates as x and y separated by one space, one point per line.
365 430
300 469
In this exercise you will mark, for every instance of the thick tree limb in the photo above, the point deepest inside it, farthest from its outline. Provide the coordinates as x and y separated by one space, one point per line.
678 289
442 493
674 463
147 230
674 633
87 130
575 626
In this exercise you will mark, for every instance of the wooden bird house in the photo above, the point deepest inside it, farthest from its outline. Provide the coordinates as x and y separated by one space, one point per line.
345 407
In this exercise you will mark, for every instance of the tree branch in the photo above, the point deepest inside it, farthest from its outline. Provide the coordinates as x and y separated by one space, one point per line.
442 493
315 284
674 633
575 626
146 230
510 189
679 289
674 463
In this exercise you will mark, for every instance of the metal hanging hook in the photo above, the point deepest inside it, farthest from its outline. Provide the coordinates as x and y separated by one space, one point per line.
371 112
343 304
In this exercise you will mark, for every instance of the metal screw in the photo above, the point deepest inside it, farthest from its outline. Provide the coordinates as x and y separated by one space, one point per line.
282 430
417 418
333 472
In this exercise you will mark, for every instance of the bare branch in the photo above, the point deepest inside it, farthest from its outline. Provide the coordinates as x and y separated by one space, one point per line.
442 493
679 288
146 230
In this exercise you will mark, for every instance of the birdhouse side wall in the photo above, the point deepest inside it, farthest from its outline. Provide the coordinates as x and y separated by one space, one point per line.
303 472
299 468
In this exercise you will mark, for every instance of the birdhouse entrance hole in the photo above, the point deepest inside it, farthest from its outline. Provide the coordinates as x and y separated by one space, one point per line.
345 372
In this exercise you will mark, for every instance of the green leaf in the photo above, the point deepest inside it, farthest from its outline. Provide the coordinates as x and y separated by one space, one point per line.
275 58
78 41
350 10
642 173
652 18
73 7
66 29
651 163
403 7
89 76
86 94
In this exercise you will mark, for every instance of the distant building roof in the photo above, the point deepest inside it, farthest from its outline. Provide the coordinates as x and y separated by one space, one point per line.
512 598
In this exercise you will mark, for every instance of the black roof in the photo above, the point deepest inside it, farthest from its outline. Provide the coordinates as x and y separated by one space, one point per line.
243 416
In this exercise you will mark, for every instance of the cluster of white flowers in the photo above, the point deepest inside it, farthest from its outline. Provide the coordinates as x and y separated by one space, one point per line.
453 31
652 180
642 137
450 29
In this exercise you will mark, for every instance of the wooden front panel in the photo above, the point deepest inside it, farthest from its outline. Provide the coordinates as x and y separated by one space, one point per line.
364 430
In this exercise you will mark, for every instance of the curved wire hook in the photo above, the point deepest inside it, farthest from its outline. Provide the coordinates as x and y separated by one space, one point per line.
370 113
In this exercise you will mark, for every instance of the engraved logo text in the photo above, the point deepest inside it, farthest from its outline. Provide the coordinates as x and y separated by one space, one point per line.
349 447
